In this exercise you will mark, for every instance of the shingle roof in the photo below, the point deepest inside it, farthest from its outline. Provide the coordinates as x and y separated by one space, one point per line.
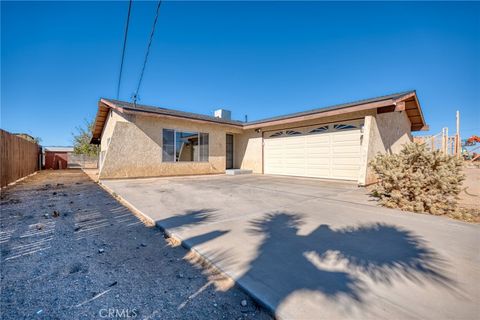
178 113
414 113
334 107
171 112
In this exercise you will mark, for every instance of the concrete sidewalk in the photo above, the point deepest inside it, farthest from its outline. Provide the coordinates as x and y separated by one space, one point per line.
310 249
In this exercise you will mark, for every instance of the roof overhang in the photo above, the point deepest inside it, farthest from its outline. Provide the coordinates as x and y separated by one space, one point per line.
407 103
410 104
104 107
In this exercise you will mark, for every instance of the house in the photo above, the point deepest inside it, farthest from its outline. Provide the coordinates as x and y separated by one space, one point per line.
335 142
56 157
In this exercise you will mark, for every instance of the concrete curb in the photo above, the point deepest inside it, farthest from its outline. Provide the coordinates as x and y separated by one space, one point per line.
139 214
270 309
204 260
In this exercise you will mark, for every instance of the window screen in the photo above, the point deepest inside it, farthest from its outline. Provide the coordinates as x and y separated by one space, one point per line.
168 154
204 147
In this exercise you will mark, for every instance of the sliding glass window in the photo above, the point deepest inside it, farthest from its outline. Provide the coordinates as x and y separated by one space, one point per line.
180 146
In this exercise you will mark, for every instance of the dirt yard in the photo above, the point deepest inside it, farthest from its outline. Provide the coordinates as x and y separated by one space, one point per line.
470 195
469 198
69 251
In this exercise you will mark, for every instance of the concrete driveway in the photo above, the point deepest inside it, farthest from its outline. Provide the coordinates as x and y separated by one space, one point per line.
310 249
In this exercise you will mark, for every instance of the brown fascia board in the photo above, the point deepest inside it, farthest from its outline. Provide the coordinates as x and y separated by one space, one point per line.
321 114
423 126
99 125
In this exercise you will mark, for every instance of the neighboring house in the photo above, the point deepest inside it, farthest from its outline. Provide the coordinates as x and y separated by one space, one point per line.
56 157
336 142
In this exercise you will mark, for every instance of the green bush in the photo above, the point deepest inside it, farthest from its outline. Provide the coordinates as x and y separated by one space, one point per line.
418 180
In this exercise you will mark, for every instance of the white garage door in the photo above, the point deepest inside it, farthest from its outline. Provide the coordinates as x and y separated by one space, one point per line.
325 151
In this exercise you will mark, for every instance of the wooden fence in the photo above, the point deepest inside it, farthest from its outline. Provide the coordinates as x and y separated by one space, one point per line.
19 157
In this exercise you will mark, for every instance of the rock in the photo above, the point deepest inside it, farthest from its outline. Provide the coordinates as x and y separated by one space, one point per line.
55 213
54 193
215 305
180 275
59 184
101 250
46 216
243 303
143 244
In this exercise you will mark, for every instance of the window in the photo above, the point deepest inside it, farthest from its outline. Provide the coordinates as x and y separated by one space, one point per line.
179 146
343 127
168 153
319 129
203 147
292 133
276 134
285 133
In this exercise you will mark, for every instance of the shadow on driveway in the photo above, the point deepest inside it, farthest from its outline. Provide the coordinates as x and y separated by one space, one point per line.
284 265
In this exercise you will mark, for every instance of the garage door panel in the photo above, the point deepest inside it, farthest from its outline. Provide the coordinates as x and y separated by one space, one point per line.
318 161
345 161
347 139
318 138
338 150
345 173
331 154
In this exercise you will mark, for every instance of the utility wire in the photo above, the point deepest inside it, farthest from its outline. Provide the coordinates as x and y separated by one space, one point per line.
135 96
124 47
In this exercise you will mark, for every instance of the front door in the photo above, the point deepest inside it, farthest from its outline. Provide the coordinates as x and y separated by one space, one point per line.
229 153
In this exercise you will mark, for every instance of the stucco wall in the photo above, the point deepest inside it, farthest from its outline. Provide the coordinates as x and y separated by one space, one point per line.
135 149
248 151
385 133
113 117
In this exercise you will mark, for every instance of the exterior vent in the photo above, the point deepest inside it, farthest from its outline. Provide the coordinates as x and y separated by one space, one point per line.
223 114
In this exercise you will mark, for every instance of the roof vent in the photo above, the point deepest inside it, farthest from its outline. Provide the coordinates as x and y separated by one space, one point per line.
223 114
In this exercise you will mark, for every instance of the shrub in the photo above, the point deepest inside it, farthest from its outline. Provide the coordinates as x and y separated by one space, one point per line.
418 180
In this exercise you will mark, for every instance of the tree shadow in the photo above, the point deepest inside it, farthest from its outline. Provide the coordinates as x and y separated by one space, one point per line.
381 252
187 219
335 262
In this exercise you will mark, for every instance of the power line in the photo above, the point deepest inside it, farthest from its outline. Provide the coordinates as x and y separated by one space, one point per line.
124 46
135 96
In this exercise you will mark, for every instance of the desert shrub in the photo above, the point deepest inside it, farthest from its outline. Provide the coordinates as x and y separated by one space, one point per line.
418 180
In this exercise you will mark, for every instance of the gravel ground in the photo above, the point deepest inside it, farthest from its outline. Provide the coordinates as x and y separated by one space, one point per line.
71 251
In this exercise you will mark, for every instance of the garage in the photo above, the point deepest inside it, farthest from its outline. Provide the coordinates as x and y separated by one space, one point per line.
324 151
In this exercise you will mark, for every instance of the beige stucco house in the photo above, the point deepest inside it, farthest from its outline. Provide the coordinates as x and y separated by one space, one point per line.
335 142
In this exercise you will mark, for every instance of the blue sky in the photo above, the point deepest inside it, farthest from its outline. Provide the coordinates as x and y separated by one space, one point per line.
256 58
